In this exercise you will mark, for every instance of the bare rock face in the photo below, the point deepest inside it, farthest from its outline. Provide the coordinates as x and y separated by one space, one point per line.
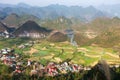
32 30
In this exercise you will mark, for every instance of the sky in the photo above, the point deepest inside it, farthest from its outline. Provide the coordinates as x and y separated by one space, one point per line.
62 2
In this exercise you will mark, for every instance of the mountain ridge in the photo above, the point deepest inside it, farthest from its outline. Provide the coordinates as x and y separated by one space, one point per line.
54 11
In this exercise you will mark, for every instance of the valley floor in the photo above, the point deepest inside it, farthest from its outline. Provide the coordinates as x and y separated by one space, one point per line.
53 58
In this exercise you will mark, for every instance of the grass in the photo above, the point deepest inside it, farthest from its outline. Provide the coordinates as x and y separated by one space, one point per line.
47 52
108 57
13 42
70 52
85 55
41 53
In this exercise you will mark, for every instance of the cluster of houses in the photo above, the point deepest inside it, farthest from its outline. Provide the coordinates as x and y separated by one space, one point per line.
9 58
5 34
54 69
28 44
18 65
57 69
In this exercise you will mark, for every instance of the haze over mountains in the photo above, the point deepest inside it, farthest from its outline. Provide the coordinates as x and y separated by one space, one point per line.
54 11
111 9
91 25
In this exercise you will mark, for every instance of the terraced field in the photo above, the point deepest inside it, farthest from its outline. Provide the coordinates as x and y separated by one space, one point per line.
45 51
87 55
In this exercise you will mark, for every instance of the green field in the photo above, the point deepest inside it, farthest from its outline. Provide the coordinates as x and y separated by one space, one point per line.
45 51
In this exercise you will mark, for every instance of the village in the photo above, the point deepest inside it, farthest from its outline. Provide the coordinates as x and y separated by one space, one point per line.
18 66
9 58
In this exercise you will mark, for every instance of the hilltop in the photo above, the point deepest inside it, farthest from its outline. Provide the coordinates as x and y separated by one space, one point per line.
57 37
11 21
14 20
31 29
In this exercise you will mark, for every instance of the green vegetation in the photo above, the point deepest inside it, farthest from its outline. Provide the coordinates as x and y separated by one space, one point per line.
12 43
58 23
57 37
105 46
60 51
110 38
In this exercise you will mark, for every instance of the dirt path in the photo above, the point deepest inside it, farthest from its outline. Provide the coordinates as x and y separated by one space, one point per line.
49 57
58 59
113 55
32 50
93 56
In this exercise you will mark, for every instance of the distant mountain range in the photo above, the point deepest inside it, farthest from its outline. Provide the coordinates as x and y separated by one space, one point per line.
53 11
14 21
111 9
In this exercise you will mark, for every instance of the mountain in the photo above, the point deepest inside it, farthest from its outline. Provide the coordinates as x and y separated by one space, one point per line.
31 29
101 24
57 36
23 5
105 32
11 20
109 38
58 23
5 5
3 27
81 39
25 17
2 15
14 21
55 11
13 6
